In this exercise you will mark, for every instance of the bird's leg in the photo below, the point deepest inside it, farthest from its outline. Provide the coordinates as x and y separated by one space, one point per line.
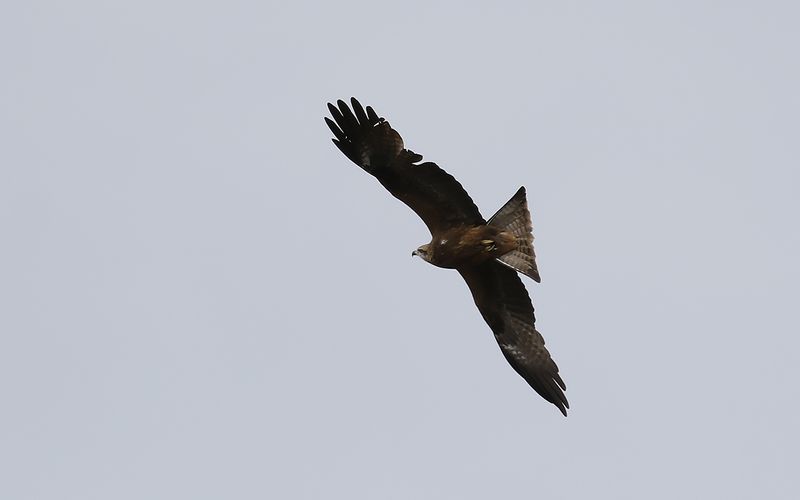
488 245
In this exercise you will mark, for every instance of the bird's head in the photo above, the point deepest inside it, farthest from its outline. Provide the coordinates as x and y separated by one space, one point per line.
423 252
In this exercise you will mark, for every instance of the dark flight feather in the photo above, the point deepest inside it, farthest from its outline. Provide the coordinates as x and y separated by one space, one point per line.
505 305
371 143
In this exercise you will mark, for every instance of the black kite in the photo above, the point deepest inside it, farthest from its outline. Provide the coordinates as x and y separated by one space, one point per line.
486 254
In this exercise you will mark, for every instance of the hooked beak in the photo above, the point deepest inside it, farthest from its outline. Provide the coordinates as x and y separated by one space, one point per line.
414 253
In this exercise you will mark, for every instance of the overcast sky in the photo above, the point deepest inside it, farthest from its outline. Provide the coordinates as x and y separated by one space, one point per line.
203 299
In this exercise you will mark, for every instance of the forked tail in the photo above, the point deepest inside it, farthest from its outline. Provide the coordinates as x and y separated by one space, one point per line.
515 218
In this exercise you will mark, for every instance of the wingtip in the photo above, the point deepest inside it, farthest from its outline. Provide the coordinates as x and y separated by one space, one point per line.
561 403
373 116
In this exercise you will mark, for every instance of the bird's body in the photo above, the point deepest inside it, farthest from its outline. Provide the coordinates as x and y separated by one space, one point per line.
488 255
467 246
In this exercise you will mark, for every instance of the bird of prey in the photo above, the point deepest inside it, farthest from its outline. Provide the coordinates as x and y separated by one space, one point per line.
487 254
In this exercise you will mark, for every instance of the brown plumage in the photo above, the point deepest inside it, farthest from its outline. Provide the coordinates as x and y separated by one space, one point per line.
486 254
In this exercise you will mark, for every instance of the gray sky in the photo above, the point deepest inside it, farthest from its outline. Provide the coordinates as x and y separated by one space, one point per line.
202 298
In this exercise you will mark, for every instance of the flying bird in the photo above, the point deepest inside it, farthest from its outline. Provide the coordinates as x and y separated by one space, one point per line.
487 254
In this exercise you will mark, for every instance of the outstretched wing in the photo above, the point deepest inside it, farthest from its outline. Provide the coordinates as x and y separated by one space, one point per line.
505 305
372 144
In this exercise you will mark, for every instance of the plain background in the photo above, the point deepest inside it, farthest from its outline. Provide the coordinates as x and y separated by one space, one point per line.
203 299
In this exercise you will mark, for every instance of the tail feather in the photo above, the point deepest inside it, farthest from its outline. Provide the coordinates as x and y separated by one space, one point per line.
515 218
